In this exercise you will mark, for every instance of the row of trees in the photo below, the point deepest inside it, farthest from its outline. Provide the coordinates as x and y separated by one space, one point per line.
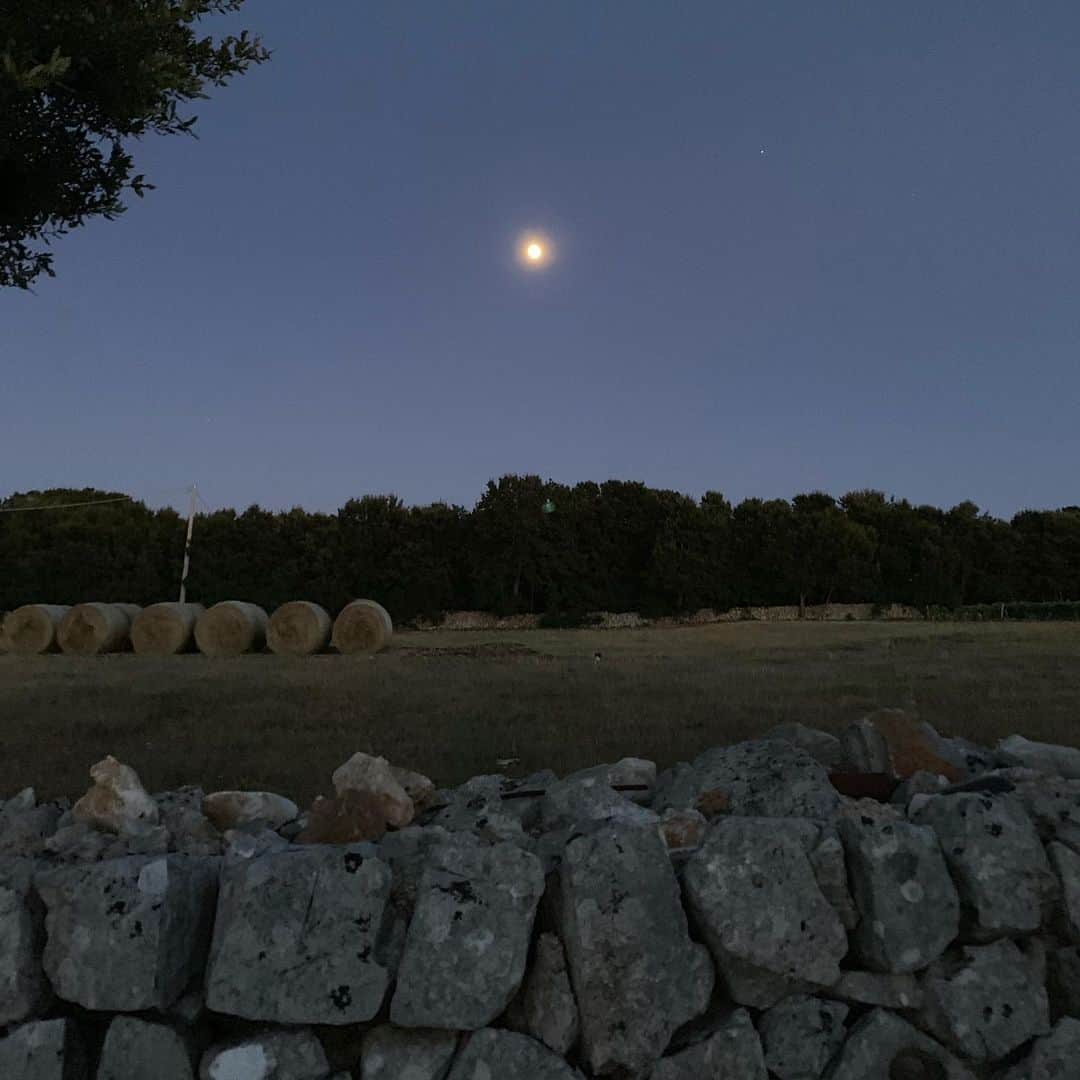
535 546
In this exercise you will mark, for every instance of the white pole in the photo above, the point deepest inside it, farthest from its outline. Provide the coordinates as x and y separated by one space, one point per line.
187 546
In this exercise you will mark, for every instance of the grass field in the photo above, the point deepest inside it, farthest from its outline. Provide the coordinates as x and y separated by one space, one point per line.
453 703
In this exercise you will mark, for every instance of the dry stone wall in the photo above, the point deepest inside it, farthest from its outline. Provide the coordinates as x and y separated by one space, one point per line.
754 913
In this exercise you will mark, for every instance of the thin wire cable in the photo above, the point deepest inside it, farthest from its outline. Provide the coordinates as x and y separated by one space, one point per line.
63 506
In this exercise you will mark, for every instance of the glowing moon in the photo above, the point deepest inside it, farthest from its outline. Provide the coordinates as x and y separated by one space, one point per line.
535 250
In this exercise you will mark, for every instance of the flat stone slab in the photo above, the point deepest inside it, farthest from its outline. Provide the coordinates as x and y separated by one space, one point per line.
733 1052
756 899
468 942
135 1049
279 1055
986 1004
127 934
298 936
392 1053
909 908
506 1055
997 861
24 990
635 972
44 1050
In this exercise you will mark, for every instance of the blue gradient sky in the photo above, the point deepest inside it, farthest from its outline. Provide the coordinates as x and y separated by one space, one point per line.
320 299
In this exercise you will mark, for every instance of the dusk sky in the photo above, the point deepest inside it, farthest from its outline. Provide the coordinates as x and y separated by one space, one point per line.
796 246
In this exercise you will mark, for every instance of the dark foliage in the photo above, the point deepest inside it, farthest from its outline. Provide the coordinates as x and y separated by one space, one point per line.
536 546
78 82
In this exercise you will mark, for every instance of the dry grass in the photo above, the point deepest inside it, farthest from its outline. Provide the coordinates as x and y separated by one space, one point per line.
451 704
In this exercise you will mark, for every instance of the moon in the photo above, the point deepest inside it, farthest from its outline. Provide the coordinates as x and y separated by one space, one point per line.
535 250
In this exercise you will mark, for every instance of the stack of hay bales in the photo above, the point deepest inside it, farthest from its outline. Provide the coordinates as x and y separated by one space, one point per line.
94 628
363 626
32 628
299 628
231 628
165 629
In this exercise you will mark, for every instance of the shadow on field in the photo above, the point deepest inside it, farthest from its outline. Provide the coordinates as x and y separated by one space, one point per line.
452 704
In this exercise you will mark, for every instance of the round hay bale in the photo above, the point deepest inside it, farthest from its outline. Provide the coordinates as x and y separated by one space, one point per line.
231 628
32 629
299 628
165 629
362 626
95 628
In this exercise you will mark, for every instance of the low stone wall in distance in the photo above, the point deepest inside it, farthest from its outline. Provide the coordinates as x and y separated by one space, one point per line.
890 903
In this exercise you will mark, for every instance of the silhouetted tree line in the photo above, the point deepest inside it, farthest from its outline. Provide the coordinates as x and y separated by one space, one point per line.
536 546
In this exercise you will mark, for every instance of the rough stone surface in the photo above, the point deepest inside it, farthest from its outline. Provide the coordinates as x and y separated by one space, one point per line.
865 747
1053 1057
569 806
732 1052
683 829
478 807
299 937
375 775
918 783
24 990
505 1055
800 1035
117 802
877 1042
1066 865
760 778
821 745
1049 758
636 974
987 1004
407 852
252 842
25 827
127 934
913 745
626 772
137 1050
999 866
827 861
968 757
189 831
909 908
231 809
280 1055
1063 981
1054 806
545 1008
417 786
468 941
754 895
877 988
347 818
391 1053
44 1050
